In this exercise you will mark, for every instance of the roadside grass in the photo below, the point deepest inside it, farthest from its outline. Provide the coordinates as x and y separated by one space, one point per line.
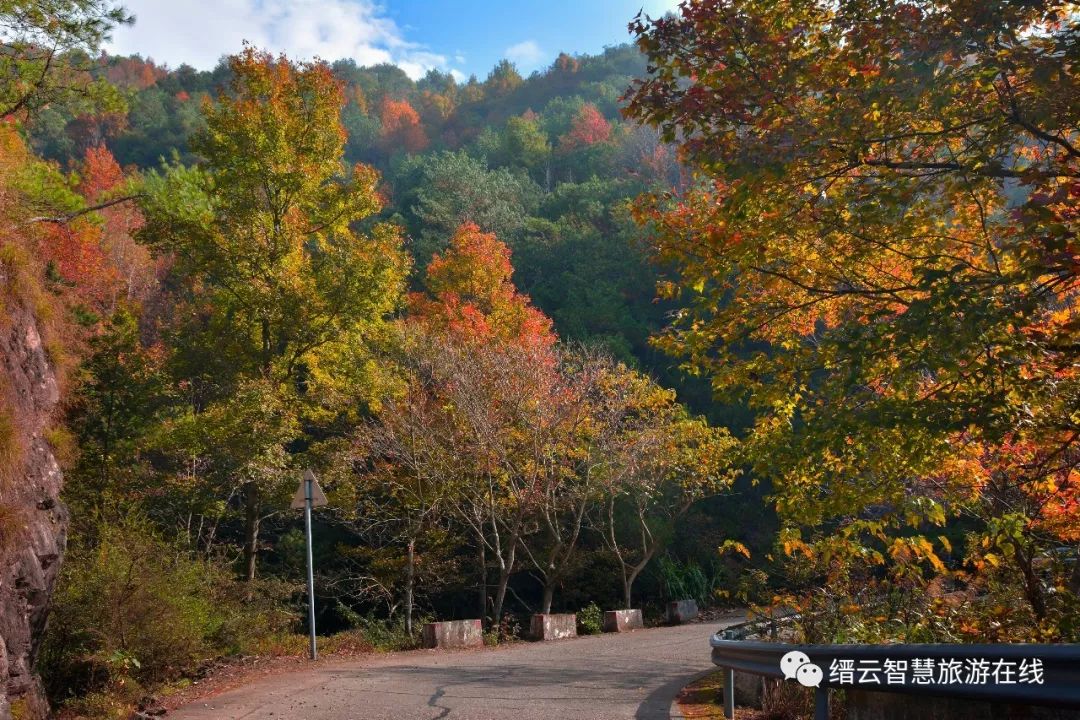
270 653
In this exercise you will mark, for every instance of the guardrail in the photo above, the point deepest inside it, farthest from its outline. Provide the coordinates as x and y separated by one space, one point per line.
765 625
1042 675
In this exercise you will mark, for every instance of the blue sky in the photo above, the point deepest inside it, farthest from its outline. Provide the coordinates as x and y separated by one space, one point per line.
459 36
531 33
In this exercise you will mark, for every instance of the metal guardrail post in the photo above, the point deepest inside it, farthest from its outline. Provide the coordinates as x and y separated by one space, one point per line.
729 693
821 703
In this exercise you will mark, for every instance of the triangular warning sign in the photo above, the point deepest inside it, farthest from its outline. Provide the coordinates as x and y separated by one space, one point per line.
318 497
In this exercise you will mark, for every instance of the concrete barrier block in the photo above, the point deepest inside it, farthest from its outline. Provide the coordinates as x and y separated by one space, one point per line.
623 620
681 611
454 634
546 626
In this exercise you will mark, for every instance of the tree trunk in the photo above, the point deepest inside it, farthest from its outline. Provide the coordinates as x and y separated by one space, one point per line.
500 596
549 595
506 566
251 529
482 586
631 576
410 581
1032 584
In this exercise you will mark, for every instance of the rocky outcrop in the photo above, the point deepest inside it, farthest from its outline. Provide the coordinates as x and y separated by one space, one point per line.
33 521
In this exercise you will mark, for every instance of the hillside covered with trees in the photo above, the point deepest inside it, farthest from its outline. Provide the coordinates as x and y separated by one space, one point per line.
431 293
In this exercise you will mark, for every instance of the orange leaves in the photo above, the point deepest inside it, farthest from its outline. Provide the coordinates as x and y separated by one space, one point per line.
100 174
478 265
402 129
1061 513
131 262
471 294
133 73
1040 472
78 259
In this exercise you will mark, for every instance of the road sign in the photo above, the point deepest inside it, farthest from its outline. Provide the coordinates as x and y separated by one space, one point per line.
318 497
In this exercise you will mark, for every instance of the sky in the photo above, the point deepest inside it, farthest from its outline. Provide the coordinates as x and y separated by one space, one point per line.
463 37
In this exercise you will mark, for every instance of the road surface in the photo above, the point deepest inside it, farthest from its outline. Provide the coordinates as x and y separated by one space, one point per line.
605 677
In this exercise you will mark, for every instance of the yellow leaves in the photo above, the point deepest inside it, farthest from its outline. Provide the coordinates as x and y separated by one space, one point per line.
909 552
667 290
734 546
792 544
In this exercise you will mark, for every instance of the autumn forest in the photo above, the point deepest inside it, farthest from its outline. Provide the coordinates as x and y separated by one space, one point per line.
774 307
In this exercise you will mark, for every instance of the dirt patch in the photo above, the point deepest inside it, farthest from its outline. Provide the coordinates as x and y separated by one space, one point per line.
704 699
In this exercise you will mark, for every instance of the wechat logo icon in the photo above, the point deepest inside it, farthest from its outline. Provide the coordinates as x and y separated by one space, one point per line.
796 665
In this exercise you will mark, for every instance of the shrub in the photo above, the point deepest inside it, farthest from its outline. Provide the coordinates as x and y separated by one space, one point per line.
683 581
590 620
388 635
133 610
509 628
753 587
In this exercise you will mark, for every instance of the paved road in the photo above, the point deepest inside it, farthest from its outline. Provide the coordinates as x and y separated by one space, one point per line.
606 677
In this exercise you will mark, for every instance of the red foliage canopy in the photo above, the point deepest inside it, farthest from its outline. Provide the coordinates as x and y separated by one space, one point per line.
471 295
588 128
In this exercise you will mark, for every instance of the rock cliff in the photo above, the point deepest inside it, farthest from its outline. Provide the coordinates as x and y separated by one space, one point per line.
33 521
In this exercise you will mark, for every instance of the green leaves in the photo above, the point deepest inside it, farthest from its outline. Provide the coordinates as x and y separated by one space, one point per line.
878 186
263 228
47 54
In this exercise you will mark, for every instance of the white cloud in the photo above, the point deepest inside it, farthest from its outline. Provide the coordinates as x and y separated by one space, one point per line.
526 55
657 8
199 33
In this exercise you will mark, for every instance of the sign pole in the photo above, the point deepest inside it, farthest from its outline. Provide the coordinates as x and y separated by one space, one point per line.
309 495
309 479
